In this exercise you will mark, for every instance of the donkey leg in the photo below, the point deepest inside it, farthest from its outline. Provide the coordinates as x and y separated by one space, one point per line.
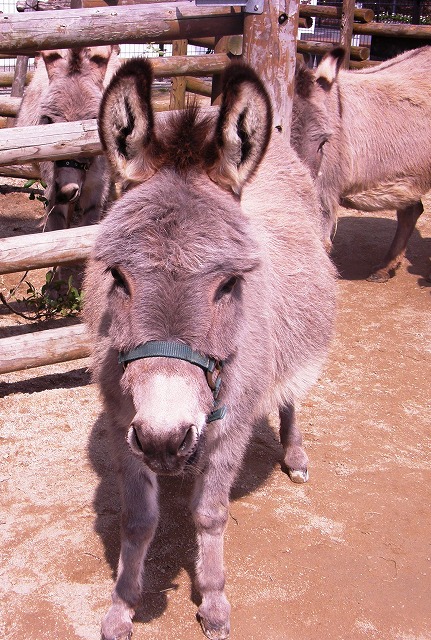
295 458
407 219
138 525
210 508
58 217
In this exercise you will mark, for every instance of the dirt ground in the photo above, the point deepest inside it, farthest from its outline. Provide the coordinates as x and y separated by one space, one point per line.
344 557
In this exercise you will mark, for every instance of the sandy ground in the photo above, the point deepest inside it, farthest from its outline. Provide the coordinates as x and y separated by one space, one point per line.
344 557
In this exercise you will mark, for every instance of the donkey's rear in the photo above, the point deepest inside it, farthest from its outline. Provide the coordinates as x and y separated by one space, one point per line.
210 298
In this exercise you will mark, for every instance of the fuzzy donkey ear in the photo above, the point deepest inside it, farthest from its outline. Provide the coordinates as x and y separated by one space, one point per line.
328 69
243 128
55 62
126 123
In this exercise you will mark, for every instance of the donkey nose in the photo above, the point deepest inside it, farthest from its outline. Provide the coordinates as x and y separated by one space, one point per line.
68 193
167 452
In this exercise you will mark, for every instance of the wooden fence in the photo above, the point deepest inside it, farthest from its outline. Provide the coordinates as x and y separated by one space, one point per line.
135 23
151 21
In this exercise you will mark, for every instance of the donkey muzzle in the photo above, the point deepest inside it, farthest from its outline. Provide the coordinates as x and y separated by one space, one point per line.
67 193
164 457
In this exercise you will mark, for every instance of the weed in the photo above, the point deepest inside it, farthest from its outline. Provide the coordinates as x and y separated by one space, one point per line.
55 298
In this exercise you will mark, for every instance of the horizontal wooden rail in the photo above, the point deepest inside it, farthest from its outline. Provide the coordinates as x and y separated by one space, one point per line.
363 15
145 23
199 87
54 141
41 348
189 65
51 142
363 64
310 46
393 30
9 106
20 171
6 78
39 250
168 67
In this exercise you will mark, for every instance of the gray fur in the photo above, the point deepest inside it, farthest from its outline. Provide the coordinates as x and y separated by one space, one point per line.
378 125
173 243
66 87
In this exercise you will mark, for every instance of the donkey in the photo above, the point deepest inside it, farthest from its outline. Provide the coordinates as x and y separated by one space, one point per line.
366 137
67 86
210 301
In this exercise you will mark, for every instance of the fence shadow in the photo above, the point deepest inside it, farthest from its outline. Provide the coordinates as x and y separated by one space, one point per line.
174 546
360 243
37 384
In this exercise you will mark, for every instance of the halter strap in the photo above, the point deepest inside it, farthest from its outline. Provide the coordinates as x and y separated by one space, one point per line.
181 351
84 166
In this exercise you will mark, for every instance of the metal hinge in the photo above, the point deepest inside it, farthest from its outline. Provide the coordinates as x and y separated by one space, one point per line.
250 6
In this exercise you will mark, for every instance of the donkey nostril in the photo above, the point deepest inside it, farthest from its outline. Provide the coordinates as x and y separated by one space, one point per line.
188 441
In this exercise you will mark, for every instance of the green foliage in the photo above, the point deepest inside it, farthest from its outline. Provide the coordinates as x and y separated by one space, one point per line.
34 196
55 298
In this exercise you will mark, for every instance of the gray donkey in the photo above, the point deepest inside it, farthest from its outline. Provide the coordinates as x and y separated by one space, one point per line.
210 300
366 136
67 86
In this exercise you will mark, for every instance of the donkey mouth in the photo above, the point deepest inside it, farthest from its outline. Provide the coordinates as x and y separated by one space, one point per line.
162 465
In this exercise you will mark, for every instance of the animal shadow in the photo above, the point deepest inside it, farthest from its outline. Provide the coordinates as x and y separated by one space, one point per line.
174 546
360 243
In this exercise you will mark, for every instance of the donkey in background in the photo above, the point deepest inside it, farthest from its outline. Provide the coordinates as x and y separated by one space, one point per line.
366 137
210 300
67 86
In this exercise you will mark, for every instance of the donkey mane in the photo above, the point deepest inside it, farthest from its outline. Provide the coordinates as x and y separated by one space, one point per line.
186 140
304 80
75 62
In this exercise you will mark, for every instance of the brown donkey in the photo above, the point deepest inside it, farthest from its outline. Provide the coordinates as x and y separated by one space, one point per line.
366 136
67 86
210 299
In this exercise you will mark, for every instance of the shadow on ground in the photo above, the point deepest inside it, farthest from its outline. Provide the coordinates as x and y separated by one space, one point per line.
174 546
360 243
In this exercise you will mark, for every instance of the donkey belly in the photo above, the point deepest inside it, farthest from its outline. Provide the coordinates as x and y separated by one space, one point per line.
396 194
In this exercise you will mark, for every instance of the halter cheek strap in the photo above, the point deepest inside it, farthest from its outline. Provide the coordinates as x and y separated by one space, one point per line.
211 367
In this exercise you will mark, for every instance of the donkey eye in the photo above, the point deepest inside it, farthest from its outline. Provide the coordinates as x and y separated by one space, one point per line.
226 287
46 120
322 144
119 280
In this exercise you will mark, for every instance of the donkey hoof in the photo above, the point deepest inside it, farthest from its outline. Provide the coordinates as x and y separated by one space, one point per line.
117 624
214 618
299 476
379 276
214 632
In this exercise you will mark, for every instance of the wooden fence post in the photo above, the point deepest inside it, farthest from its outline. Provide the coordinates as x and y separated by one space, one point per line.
18 83
178 89
346 29
270 48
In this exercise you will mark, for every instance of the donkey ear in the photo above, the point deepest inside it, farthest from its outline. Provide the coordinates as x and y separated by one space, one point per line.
126 122
55 61
327 71
243 128
99 59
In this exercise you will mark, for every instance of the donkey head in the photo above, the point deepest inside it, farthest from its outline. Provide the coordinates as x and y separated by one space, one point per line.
74 93
176 256
312 122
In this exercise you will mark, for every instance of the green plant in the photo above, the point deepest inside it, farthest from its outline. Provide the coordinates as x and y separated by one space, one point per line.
34 196
55 298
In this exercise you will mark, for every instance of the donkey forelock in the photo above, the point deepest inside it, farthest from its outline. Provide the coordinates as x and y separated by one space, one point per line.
156 230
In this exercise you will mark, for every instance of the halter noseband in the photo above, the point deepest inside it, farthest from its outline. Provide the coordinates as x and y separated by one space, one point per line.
211 367
84 166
